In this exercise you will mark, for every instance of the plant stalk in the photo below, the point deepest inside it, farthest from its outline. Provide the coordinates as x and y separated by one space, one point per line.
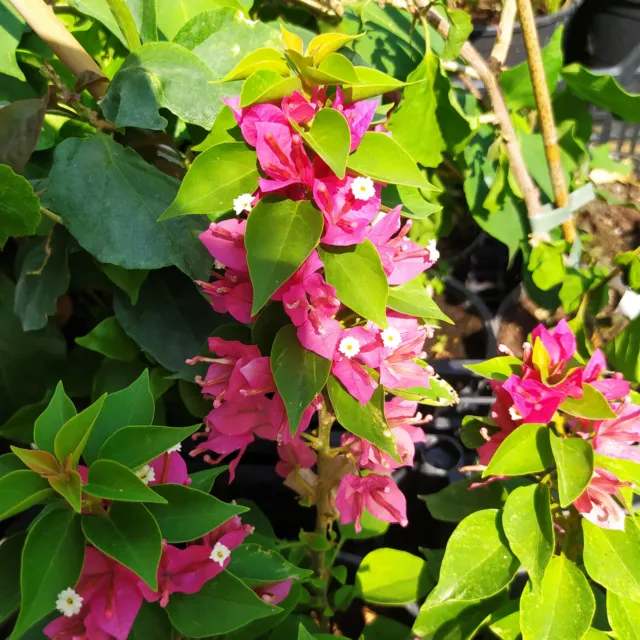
324 509
505 35
545 111
41 18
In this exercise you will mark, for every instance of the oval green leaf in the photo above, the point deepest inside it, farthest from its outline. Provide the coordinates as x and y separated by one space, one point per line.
574 461
266 85
20 490
216 177
256 565
59 410
299 374
113 481
413 299
593 405
624 616
280 236
358 276
73 436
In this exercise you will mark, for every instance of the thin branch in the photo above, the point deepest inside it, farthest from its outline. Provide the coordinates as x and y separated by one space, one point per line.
41 18
459 69
56 218
545 110
505 35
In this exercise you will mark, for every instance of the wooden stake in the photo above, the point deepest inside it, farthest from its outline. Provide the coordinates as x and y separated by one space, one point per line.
40 17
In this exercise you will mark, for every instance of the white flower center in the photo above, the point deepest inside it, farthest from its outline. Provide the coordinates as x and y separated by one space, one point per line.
391 338
434 254
220 553
363 188
146 474
176 447
349 347
243 203
515 415
69 602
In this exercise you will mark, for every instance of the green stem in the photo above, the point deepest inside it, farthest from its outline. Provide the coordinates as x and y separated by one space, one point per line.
127 24
56 218
324 515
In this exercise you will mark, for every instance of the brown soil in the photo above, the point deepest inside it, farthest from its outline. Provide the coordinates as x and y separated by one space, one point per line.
464 339
614 228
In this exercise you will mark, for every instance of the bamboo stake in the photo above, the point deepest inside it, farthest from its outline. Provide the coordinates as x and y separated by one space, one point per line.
545 110
40 17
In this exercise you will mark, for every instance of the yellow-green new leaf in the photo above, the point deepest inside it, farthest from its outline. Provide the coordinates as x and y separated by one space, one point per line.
327 43
264 58
266 86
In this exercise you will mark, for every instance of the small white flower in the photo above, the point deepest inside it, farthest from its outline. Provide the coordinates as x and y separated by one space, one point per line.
177 447
235 49
349 347
218 265
69 602
514 413
242 203
434 254
363 188
391 338
220 553
146 474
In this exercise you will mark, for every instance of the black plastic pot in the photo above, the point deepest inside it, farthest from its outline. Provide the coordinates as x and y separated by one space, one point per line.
603 32
484 37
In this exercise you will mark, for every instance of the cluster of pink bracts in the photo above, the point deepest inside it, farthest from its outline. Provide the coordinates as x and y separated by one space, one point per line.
246 402
528 398
111 595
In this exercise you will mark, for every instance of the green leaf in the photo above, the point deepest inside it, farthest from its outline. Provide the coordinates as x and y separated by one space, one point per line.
215 178
99 9
19 206
12 26
371 528
135 446
109 338
603 91
19 426
525 450
162 75
264 330
10 556
130 535
263 58
612 558
59 410
383 159
129 280
204 480
367 422
69 486
626 470
358 276
392 578
574 461
151 622
133 405
417 111
225 129
505 622
173 14
415 203
44 277
299 374
477 564
622 351
456 501
120 226
413 299
528 526
20 490
189 514
460 29
171 320
256 566
113 481
144 14
327 43
564 606
42 462
267 86
371 82
303 634
593 405
516 82
22 382
438 394
455 619
72 437
222 605
279 237
497 368
334 70
624 616
330 138
20 126
51 561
